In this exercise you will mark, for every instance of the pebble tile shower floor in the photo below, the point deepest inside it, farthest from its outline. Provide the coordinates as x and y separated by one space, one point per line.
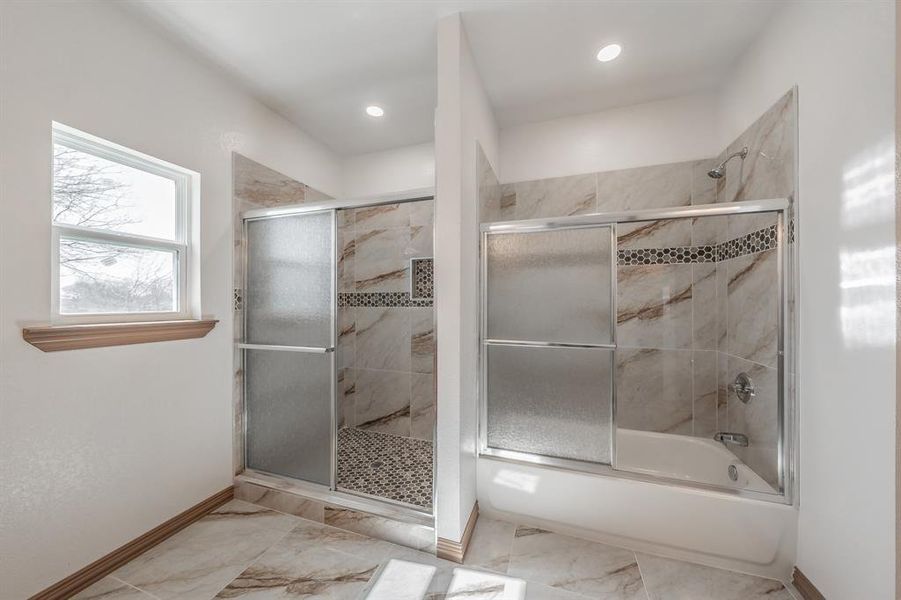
388 466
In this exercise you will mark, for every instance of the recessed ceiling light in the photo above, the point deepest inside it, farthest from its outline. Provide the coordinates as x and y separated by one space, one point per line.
609 52
375 111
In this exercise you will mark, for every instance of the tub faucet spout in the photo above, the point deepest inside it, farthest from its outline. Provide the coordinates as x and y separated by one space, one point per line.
728 437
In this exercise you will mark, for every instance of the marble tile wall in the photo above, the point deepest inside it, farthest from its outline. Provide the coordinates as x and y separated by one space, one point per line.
749 329
689 322
254 186
386 345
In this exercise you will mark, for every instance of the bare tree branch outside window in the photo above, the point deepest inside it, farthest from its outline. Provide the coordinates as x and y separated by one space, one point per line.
96 276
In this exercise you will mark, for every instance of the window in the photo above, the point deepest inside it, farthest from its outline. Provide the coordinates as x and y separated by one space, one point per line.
120 232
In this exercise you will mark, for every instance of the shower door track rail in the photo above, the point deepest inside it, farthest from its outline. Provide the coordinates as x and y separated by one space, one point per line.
293 209
340 499
786 411
652 214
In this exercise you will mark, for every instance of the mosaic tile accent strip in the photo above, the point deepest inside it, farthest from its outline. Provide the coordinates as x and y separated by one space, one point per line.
757 241
388 466
667 256
752 243
379 299
423 278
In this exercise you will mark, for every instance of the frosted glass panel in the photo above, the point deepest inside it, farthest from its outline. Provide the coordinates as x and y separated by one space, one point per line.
289 415
550 401
551 286
290 270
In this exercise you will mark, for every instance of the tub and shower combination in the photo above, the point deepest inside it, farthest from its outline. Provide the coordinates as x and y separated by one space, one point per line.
646 365
581 359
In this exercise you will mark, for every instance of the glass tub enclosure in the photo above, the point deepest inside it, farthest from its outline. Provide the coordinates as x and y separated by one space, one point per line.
605 349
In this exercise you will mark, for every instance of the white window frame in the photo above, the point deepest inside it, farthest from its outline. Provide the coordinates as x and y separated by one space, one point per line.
185 188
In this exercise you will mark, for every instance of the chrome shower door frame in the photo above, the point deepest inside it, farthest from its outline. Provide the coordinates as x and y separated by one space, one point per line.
332 494
786 451
485 342
333 330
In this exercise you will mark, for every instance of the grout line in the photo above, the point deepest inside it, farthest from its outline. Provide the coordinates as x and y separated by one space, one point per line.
256 558
644 582
122 581
753 362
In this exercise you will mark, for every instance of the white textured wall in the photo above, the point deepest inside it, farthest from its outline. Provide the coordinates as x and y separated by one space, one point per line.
842 57
464 118
99 446
395 170
660 132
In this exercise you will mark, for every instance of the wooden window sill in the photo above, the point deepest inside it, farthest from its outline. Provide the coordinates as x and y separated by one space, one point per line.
53 338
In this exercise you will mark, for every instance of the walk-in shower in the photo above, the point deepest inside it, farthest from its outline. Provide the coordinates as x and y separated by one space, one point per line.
338 348
604 353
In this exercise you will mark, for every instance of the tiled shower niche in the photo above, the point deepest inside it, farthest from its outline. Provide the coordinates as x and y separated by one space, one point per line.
697 298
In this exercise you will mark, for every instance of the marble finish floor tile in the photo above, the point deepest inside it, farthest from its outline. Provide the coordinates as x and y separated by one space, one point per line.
491 544
110 588
668 579
313 561
311 534
292 570
400 579
478 585
197 562
251 552
280 501
388 466
409 535
575 565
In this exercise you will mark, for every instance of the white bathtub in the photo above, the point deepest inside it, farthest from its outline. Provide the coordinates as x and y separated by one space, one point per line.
683 457
711 527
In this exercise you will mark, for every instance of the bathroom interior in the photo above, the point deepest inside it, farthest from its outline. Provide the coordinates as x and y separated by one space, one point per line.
499 300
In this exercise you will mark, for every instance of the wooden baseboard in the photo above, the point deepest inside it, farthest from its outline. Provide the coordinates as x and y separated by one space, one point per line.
105 565
455 551
808 590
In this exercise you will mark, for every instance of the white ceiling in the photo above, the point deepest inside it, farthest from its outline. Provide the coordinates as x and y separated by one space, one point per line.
319 63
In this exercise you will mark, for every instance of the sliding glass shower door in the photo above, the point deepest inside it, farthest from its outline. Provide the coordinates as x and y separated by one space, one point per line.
547 344
289 343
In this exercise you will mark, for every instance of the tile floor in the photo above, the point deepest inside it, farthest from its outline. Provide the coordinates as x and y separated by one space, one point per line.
388 466
247 551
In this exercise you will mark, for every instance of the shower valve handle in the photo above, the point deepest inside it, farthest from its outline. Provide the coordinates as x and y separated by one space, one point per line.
743 388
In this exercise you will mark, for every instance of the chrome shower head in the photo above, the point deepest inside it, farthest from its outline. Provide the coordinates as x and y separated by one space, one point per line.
720 170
